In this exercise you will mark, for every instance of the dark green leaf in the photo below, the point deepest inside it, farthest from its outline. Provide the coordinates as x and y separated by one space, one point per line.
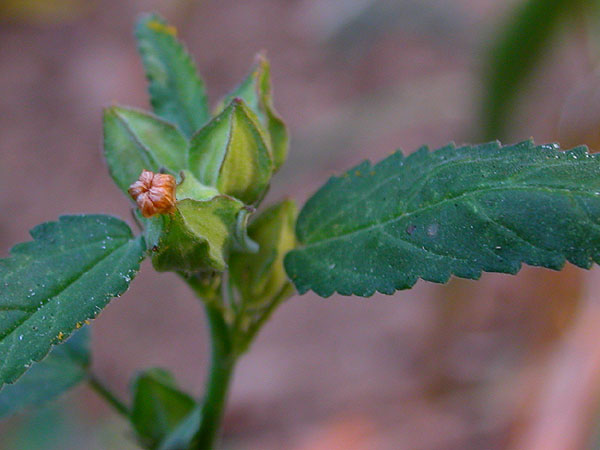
51 285
158 406
135 140
177 93
452 211
515 52
63 368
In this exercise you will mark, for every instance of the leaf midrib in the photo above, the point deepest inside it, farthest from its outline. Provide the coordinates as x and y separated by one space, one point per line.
2 339
57 252
466 194
174 83
149 156
61 290
458 160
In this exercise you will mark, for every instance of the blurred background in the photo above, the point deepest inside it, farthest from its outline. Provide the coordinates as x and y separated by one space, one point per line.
502 363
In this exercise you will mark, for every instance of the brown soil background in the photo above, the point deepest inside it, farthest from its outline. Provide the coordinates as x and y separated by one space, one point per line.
505 362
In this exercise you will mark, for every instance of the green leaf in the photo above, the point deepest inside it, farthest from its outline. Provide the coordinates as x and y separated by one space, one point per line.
260 277
63 368
197 236
176 91
135 140
182 437
158 406
256 91
230 153
51 285
516 51
452 211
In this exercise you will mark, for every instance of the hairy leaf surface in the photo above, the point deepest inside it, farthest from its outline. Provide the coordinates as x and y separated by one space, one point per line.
177 93
454 211
64 367
51 285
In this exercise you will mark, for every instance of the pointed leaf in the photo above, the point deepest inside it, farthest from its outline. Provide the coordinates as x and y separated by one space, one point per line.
158 406
64 367
256 91
177 93
135 140
51 285
230 153
452 211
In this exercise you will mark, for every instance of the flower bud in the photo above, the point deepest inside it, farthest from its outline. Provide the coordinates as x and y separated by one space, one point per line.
201 230
230 154
154 193
256 91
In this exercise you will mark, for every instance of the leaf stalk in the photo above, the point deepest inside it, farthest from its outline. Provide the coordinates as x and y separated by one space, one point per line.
104 392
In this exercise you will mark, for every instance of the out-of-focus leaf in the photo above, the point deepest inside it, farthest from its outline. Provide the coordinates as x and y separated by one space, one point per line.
158 406
182 437
65 276
515 52
177 92
44 11
64 367
454 211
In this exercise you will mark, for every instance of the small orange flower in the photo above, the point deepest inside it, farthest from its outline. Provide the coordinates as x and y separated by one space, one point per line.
154 193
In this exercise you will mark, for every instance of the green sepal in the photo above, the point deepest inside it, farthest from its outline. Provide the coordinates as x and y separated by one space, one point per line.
190 187
256 91
230 154
242 241
177 92
65 366
135 140
260 277
196 237
158 406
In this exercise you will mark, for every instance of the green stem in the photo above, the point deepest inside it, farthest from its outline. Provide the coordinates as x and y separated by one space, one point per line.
219 378
107 395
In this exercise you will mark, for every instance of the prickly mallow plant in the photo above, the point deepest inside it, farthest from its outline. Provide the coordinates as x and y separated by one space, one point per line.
196 179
